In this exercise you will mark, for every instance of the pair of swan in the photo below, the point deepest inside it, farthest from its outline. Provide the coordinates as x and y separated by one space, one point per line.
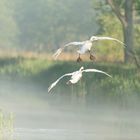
84 46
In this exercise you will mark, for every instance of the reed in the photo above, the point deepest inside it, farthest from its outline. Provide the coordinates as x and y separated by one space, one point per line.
6 124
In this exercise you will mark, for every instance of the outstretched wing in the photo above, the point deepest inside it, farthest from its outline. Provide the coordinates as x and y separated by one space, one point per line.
58 52
95 70
54 83
108 38
75 43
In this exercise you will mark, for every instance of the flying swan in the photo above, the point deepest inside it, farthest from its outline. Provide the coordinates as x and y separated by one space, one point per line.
75 76
85 46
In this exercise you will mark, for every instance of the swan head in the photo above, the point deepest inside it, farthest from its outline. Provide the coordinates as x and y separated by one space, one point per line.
93 38
82 68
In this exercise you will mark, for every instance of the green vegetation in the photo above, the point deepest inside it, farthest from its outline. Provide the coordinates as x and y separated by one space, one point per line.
45 23
113 24
8 25
6 123
23 66
125 79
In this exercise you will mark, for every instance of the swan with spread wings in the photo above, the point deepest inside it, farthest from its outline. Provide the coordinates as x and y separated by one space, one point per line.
85 46
75 76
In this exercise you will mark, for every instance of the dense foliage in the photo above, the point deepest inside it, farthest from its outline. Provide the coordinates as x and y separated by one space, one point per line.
9 30
110 25
45 24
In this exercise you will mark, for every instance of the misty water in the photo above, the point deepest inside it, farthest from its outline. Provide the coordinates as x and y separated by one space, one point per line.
42 116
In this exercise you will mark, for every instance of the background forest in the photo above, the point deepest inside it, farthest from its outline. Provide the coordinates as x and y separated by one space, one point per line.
51 23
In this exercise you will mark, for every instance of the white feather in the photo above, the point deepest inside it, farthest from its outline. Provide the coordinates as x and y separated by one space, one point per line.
74 43
85 45
76 76
54 83
95 70
59 51
95 38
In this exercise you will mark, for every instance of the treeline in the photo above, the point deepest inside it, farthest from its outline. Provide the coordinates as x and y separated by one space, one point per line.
41 24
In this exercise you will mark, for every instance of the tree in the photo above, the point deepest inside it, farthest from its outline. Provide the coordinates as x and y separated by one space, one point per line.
52 23
109 26
8 27
126 20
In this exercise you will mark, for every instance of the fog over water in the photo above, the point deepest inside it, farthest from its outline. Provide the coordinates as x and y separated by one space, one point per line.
40 116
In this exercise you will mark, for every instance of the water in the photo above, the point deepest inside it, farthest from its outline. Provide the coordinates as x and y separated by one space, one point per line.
89 124
65 134
52 117
53 134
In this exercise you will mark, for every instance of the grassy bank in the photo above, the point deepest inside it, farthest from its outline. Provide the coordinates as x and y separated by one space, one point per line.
125 79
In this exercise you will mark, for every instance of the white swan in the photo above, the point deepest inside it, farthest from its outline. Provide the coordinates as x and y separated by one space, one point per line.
75 76
85 46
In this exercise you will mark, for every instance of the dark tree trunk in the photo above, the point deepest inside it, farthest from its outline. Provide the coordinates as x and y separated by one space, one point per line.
128 30
127 24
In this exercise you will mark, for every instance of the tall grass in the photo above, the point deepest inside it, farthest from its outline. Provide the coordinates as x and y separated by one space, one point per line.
23 66
125 79
6 124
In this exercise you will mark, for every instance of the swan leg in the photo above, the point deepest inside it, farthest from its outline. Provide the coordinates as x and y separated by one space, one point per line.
92 57
79 59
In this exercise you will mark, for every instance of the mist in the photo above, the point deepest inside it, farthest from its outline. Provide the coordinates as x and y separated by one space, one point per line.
43 25
53 116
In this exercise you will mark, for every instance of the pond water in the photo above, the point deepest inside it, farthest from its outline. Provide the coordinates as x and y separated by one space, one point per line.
77 124
39 116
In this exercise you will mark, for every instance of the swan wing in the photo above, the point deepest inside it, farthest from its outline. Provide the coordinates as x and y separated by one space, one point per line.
110 38
58 52
95 70
54 83
75 44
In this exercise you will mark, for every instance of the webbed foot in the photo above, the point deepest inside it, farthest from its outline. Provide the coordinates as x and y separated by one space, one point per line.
79 59
92 57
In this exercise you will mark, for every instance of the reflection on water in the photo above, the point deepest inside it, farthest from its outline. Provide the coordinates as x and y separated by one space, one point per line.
39 116
63 134
87 124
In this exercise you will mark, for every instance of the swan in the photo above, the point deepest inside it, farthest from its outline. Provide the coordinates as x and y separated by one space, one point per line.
75 76
85 46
